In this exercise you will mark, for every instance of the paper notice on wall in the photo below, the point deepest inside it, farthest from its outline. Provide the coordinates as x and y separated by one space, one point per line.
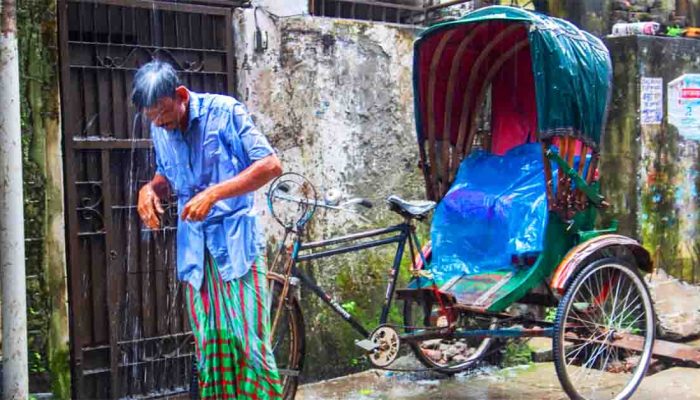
684 105
652 101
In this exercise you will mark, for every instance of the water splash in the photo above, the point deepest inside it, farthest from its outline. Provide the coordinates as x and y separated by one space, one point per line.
131 188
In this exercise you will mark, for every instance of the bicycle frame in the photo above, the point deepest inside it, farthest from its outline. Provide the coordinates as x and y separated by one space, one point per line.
399 234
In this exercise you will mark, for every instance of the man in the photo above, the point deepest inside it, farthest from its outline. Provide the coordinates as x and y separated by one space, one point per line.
211 155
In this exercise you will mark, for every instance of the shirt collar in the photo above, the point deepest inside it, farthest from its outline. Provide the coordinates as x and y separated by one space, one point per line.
194 109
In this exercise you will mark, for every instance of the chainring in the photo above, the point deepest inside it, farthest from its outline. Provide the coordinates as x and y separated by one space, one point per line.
388 342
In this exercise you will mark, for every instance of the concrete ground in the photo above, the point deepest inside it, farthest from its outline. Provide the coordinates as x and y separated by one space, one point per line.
532 382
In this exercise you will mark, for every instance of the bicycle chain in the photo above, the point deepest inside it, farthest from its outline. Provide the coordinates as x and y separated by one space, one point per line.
439 369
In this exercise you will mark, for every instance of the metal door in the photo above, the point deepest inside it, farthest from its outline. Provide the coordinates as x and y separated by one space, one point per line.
130 332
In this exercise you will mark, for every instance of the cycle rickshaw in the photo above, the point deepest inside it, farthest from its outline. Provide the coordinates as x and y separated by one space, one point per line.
510 112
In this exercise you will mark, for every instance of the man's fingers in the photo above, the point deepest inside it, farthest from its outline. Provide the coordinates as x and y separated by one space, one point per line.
145 212
191 211
158 205
148 206
196 209
153 223
151 220
191 214
150 216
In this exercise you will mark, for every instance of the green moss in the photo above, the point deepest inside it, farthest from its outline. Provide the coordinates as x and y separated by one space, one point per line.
46 287
516 352
660 226
60 371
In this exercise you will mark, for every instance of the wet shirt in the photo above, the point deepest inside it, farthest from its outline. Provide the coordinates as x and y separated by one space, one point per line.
220 142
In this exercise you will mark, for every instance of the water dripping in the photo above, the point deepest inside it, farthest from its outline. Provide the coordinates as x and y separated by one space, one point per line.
131 320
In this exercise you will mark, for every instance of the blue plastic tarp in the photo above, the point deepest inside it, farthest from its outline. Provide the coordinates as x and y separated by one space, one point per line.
495 209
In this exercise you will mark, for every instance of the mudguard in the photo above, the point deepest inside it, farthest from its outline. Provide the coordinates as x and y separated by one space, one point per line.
574 259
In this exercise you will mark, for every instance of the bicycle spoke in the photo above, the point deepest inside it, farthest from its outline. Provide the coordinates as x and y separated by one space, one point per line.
625 316
590 341
627 303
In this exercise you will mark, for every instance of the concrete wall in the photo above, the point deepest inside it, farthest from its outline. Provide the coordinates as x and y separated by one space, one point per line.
650 171
335 98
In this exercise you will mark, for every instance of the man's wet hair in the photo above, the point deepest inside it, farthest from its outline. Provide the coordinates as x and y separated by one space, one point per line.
153 81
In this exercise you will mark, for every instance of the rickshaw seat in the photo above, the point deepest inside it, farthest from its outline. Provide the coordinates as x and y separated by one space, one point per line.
495 213
410 209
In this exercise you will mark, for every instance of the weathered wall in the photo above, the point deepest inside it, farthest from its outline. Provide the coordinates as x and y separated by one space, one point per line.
43 194
691 9
650 172
591 15
598 16
335 99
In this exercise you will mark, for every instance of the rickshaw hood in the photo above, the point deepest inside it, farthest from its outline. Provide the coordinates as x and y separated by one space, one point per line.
571 68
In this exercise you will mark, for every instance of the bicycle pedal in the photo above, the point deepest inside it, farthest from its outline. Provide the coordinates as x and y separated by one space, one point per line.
366 345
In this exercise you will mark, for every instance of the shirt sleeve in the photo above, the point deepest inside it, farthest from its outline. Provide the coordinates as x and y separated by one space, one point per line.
255 144
160 170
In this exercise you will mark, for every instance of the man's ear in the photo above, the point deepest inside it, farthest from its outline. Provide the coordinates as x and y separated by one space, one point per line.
182 93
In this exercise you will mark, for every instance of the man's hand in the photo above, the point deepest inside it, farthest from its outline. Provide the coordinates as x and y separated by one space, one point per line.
199 206
149 206
250 179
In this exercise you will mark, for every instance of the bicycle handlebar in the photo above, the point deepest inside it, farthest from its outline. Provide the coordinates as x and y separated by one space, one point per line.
343 206
280 189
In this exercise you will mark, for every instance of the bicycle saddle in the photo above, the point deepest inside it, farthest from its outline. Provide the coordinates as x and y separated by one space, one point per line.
410 209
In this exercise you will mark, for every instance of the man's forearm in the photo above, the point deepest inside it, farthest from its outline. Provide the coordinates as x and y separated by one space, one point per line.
252 178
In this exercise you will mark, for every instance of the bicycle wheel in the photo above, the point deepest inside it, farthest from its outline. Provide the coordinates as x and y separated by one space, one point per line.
607 301
449 356
288 340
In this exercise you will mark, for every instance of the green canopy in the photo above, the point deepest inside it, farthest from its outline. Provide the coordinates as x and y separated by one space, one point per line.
535 64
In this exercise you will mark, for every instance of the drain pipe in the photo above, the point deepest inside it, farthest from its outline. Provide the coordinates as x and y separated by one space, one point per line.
15 382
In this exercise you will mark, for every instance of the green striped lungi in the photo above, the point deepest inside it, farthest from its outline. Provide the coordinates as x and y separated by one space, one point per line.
231 326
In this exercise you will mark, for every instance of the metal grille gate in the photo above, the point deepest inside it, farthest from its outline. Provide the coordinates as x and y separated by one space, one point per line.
129 329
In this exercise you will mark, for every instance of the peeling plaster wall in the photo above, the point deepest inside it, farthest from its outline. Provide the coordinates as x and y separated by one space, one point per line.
335 98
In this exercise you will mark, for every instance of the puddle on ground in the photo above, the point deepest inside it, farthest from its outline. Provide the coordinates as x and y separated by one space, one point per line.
527 382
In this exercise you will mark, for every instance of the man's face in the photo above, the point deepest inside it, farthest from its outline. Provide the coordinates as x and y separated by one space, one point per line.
168 112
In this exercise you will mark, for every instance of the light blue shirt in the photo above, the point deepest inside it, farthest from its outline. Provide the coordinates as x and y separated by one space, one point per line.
220 141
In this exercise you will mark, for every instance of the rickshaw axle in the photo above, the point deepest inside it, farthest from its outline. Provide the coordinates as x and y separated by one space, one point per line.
476 333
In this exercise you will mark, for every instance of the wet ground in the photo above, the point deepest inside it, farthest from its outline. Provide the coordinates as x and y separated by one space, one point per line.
532 382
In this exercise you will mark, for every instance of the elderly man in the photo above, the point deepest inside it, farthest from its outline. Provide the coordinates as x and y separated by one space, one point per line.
211 155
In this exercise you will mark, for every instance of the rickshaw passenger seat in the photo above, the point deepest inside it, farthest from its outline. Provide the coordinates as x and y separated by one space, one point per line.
495 213
410 209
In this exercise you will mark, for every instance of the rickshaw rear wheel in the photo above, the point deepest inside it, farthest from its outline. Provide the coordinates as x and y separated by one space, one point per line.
607 301
439 354
288 338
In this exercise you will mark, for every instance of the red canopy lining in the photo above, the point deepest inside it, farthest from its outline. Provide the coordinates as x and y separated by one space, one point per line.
481 51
